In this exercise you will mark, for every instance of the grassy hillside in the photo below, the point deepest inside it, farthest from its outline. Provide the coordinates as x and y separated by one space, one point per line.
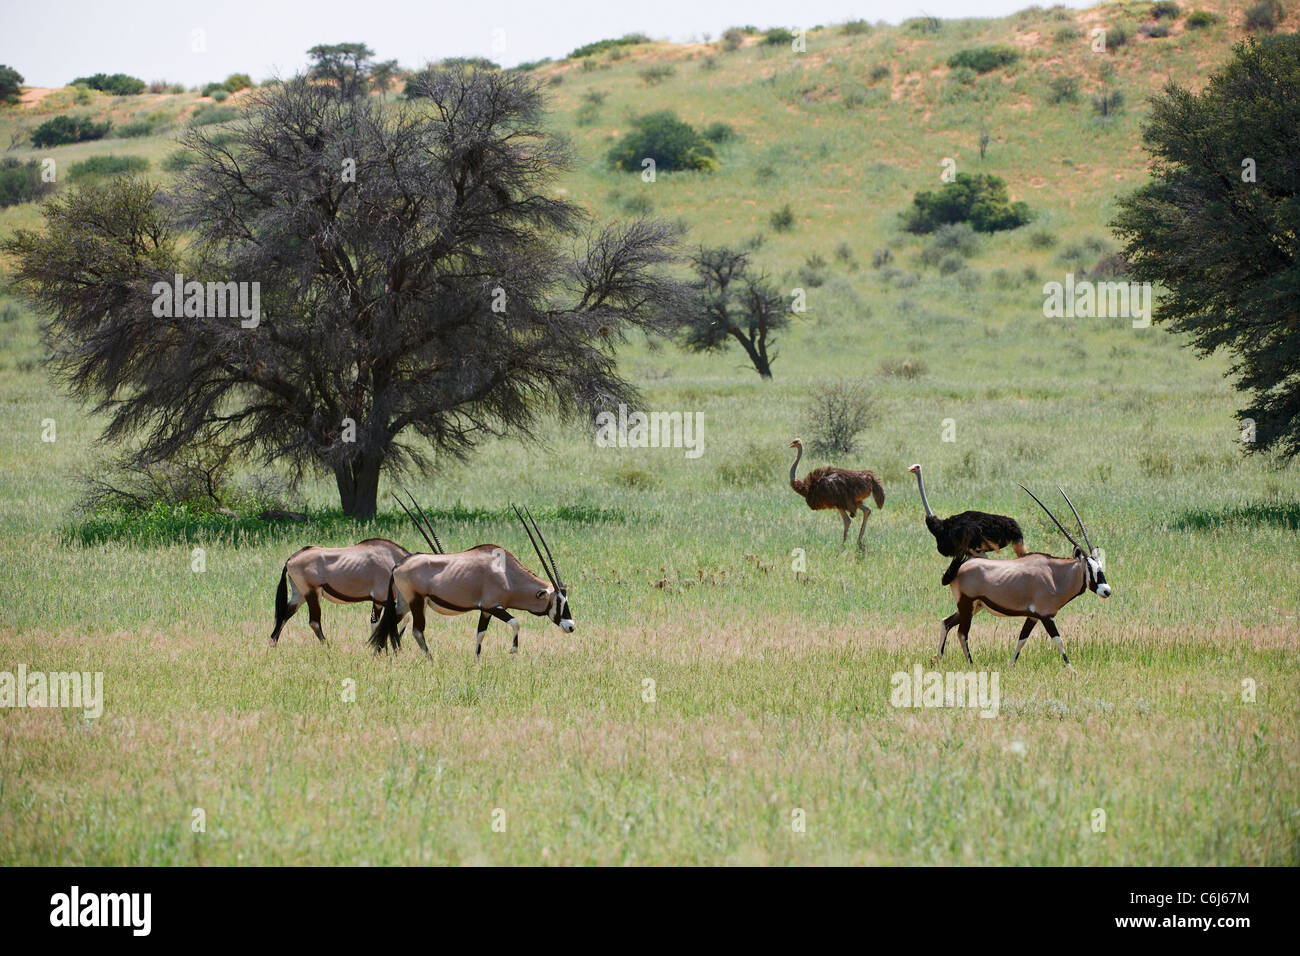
772 689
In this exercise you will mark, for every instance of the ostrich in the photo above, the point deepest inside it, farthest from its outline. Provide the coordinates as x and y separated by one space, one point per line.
838 488
960 536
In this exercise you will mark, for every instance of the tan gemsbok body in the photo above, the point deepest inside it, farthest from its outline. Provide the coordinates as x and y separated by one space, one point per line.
348 575
1034 587
487 578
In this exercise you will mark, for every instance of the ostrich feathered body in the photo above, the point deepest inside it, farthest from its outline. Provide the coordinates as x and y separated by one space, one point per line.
842 489
972 531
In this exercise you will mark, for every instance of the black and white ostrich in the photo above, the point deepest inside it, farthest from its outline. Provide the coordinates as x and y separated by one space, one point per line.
970 532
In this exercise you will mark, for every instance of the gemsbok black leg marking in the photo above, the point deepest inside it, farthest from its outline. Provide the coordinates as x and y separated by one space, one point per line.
313 609
945 627
417 623
1056 638
501 614
965 611
1024 636
483 620
376 609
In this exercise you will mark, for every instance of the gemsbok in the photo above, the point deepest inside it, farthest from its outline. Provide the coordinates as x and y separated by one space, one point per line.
1034 587
348 575
486 578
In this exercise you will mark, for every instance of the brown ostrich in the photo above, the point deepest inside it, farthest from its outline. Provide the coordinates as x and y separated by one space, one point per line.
842 489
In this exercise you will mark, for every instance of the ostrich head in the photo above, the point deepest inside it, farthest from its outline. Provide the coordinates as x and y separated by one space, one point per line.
797 443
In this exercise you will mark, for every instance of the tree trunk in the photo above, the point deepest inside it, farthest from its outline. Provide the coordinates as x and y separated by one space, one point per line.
358 485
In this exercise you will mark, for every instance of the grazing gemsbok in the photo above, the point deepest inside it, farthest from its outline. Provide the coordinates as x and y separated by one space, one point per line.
1034 587
344 575
487 579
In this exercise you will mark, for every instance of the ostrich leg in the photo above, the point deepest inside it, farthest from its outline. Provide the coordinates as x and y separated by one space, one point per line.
866 513
847 521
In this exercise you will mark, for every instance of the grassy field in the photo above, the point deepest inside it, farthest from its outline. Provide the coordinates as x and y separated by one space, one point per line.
771 690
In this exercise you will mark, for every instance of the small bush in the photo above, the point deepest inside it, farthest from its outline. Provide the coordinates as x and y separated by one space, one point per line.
1041 239
755 464
604 46
950 264
670 142
1154 31
107 165
21 182
1108 103
594 97
982 200
116 84
985 58
1200 20
879 72
1063 89
855 28
778 36
135 129
68 129
213 114
782 220
812 273
654 75
1117 35
906 368
1066 34
179 159
587 114
835 416
732 40
954 240
11 84
923 25
1264 16
238 81
881 257
720 132
1165 9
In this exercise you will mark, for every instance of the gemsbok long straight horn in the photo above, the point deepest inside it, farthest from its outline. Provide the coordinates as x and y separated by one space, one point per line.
1034 587
427 529
487 578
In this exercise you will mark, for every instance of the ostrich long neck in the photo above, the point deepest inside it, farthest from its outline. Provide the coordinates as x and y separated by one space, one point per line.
798 455
921 487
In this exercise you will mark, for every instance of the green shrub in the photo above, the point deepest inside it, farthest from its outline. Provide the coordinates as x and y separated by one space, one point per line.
1066 34
732 39
68 129
985 58
855 27
954 239
1063 89
1108 103
107 165
220 95
134 129
1041 239
238 81
118 84
1154 31
923 25
1118 35
587 115
720 132
21 182
1165 9
1264 15
670 142
778 36
207 116
11 84
604 46
656 74
214 87
782 220
1200 19
981 200
179 159
879 72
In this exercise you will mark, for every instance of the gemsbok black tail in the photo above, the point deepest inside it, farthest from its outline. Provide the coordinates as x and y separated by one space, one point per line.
385 631
281 603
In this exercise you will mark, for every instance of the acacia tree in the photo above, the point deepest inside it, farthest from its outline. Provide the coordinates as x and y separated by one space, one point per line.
418 275
732 301
1217 226
345 66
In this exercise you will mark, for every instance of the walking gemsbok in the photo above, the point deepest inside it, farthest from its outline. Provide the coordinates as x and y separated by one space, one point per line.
487 579
1034 587
350 575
